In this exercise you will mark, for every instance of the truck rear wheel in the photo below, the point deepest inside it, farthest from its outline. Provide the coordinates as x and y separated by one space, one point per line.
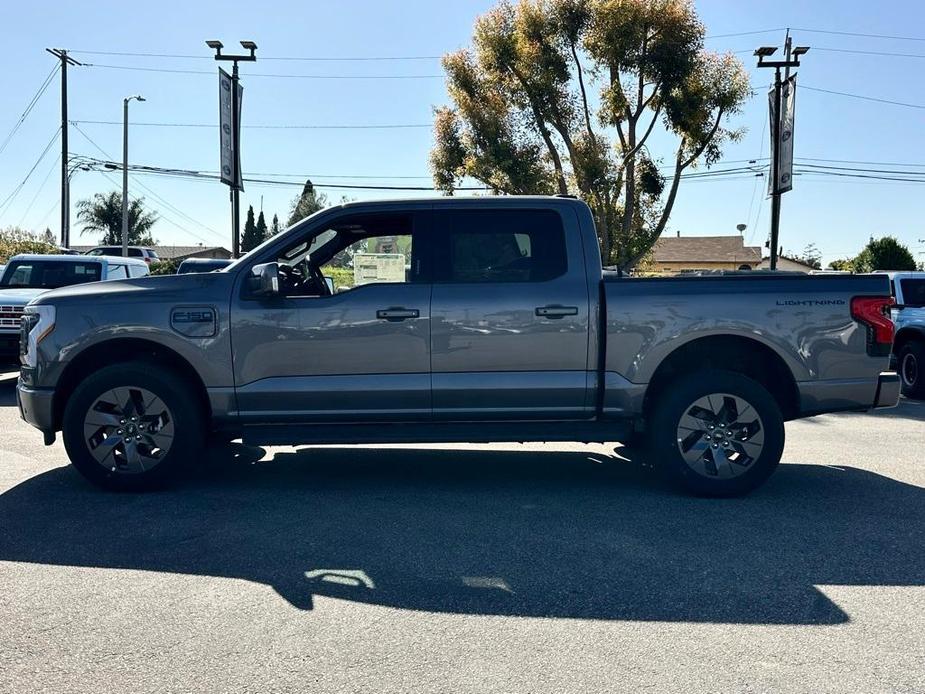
716 433
911 360
132 427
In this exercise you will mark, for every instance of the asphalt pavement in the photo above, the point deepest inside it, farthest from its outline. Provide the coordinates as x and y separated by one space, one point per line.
501 568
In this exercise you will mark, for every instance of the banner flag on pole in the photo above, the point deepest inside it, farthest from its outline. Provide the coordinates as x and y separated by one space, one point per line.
788 110
226 139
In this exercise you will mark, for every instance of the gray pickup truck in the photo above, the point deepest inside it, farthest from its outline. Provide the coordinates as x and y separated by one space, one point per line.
452 320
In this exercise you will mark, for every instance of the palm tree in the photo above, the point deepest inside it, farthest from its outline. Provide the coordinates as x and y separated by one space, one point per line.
103 214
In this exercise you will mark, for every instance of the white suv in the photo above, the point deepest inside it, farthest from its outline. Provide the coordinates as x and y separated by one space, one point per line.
146 254
28 275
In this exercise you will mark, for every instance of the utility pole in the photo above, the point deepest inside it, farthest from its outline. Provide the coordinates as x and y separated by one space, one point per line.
125 171
791 59
66 60
237 185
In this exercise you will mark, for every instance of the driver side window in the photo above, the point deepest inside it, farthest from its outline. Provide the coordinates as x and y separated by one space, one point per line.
354 250
368 260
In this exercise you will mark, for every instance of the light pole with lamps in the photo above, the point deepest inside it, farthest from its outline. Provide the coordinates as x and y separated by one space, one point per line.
125 171
237 185
791 59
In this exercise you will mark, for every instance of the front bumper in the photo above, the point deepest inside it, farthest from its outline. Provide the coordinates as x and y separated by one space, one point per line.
888 389
36 406
9 347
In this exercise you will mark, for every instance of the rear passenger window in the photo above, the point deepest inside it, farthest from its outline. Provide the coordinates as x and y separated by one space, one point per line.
913 293
116 272
502 246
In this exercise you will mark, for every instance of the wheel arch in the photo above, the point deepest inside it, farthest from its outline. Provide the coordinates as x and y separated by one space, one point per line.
907 334
115 351
735 353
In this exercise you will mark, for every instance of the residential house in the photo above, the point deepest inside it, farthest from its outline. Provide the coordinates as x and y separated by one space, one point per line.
679 253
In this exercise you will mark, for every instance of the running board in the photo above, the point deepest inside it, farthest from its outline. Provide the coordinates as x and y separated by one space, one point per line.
436 432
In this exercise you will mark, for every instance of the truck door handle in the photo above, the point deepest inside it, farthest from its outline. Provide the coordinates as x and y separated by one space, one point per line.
554 312
397 313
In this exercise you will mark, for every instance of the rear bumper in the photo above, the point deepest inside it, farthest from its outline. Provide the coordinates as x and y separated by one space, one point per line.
841 395
888 389
36 406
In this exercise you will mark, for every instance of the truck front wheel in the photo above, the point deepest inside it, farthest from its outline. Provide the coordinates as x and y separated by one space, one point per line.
716 433
132 426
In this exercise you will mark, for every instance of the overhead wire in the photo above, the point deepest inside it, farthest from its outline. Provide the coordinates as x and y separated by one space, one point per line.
32 102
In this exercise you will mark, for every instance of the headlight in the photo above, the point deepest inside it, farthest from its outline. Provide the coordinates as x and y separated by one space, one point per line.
37 323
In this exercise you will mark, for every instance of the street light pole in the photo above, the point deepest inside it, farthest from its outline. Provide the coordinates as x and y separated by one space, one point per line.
238 184
125 171
791 59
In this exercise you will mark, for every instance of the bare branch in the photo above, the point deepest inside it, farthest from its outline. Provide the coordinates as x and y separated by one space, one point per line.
584 94
544 132
706 141
645 136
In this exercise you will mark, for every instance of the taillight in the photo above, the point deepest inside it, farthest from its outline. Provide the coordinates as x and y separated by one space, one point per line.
874 312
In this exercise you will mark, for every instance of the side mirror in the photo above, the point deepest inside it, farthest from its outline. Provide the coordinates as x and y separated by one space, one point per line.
330 282
264 279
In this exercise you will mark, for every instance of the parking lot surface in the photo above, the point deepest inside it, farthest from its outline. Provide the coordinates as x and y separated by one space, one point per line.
527 568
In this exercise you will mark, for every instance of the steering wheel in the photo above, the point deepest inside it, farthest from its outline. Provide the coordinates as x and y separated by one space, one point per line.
316 279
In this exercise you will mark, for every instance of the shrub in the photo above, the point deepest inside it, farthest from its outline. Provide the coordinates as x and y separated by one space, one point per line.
14 240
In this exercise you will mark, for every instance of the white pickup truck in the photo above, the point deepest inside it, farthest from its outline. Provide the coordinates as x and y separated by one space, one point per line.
909 316
27 276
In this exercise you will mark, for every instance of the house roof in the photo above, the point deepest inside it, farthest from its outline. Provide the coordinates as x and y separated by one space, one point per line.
705 249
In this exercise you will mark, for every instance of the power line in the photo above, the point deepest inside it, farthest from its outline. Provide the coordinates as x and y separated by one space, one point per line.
263 57
859 52
860 96
32 102
12 196
155 195
744 33
38 192
383 126
178 71
853 33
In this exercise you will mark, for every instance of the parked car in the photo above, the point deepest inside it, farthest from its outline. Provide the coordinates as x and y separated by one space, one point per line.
149 255
191 265
30 275
505 329
909 315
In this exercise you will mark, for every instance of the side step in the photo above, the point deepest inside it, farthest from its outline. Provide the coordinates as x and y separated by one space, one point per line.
435 432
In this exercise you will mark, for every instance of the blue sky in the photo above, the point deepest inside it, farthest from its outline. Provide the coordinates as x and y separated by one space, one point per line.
837 214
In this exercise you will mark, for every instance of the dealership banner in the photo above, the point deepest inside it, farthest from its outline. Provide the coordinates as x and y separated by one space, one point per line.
227 141
784 144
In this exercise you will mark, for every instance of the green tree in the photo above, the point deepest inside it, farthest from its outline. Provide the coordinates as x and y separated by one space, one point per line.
885 253
274 226
251 238
810 256
524 119
102 214
49 237
308 202
841 264
14 240
261 227
164 267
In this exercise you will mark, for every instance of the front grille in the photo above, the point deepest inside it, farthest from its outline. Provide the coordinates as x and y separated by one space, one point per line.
11 316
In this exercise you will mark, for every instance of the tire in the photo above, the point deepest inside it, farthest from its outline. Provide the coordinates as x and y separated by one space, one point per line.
704 438
119 453
911 361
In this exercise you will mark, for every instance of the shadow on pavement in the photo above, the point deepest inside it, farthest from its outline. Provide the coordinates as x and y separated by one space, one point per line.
521 533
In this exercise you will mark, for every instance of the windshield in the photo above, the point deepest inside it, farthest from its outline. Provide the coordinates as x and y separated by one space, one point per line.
48 274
